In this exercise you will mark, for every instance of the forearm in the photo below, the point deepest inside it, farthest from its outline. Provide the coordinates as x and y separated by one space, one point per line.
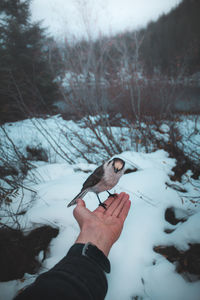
75 277
96 237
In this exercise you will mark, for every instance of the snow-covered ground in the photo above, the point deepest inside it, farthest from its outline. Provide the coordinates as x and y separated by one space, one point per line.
64 140
136 269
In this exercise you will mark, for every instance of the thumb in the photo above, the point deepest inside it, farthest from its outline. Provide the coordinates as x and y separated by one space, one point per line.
80 202
80 212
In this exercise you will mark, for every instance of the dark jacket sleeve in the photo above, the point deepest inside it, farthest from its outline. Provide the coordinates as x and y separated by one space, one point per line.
75 277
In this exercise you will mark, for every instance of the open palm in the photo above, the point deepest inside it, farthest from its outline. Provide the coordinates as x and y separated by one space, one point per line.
102 226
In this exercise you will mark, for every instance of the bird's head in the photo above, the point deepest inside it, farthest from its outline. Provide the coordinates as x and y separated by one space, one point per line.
117 164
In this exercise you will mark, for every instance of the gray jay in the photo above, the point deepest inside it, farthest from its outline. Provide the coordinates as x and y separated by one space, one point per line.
102 179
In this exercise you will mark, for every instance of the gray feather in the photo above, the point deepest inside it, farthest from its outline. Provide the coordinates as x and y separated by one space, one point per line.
80 195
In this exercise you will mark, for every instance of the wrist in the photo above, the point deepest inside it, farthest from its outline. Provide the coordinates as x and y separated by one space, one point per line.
96 237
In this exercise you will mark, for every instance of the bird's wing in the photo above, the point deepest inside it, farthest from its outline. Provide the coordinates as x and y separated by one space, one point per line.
94 178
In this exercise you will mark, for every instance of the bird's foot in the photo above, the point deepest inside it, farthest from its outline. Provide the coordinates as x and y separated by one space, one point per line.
103 205
100 203
111 195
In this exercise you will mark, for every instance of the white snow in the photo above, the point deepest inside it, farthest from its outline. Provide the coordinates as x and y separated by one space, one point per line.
164 128
136 270
72 79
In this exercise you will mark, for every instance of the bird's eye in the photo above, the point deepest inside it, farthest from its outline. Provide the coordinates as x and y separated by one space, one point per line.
116 170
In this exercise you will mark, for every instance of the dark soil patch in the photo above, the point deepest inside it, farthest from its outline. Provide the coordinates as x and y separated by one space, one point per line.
186 262
184 163
18 252
171 217
36 154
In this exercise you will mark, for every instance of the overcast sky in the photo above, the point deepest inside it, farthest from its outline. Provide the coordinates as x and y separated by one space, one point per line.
81 18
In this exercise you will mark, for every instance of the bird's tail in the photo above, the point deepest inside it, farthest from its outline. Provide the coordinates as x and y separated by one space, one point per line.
80 195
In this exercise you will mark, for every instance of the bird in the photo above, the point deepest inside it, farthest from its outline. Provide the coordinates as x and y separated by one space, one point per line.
104 178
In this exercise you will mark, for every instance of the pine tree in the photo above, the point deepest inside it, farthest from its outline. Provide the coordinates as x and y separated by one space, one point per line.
173 41
26 81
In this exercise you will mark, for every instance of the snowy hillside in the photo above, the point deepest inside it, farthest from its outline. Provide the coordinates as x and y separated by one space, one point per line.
137 271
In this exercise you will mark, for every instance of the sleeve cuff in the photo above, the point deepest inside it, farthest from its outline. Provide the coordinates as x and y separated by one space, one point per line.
93 253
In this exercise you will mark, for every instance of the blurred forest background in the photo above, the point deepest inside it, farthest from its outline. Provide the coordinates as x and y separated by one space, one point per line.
153 72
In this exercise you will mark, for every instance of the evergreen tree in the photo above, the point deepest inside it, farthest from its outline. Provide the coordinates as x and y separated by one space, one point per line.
26 81
173 42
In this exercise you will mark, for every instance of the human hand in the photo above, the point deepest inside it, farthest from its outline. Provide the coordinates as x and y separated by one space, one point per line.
102 227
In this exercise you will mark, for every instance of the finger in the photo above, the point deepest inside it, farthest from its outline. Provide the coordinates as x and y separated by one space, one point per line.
80 202
124 211
107 202
110 200
120 206
115 203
